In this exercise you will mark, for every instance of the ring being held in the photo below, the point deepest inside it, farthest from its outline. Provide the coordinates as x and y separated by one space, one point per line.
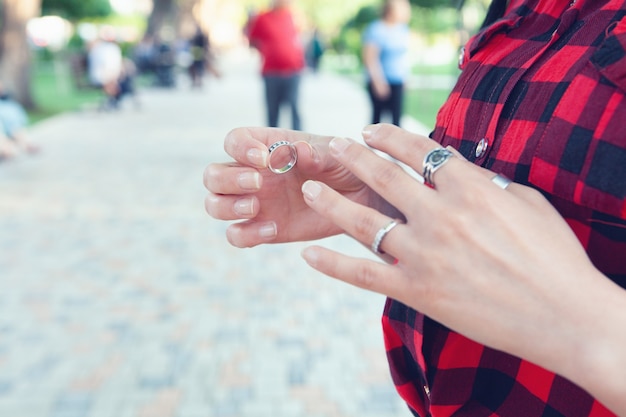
501 181
434 160
380 235
293 157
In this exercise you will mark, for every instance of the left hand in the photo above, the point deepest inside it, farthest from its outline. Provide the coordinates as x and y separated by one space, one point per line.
500 266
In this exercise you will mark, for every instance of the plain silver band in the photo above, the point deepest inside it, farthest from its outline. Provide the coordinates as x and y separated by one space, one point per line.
430 167
290 164
501 181
380 235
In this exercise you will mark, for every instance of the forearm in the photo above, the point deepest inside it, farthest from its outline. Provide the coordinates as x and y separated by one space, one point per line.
587 344
598 362
371 61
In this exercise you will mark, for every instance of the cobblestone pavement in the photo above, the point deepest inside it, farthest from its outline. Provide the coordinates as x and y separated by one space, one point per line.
121 297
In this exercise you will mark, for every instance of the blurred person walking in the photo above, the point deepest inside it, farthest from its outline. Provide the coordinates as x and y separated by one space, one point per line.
202 59
274 34
385 56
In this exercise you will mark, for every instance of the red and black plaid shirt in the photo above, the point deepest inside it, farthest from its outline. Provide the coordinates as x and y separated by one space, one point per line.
541 99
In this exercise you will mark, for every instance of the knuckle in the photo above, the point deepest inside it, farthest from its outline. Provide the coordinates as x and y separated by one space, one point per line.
365 276
364 225
387 175
534 196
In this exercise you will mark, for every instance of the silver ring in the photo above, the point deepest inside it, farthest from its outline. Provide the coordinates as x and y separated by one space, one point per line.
434 160
290 164
501 181
380 235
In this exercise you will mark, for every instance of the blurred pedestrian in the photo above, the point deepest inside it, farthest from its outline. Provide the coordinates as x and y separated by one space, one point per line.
164 63
202 59
105 64
13 122
315 51
274 34
385 56
143 55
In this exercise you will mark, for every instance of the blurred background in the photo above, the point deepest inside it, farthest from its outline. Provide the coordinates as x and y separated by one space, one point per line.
42 41
119 295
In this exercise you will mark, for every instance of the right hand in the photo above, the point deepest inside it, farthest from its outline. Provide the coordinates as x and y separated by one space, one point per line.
271 205
381 89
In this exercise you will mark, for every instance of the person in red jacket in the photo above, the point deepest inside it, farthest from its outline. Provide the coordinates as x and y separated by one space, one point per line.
274 34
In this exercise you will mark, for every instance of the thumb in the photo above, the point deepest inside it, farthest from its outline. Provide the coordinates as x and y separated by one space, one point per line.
314 156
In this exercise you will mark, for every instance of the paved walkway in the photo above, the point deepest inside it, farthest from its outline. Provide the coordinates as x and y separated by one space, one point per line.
120 297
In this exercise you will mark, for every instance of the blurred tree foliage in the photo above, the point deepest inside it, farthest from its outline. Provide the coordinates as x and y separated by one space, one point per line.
76 9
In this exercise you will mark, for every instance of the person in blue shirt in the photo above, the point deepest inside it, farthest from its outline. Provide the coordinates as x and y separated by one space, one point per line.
385 56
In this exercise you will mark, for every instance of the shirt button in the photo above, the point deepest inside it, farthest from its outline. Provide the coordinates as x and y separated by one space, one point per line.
461 57
481 148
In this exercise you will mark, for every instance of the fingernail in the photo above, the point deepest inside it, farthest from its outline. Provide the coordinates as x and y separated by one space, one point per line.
311 190
249 180
257 157
338 145
244 206
368 131
310 255
268 230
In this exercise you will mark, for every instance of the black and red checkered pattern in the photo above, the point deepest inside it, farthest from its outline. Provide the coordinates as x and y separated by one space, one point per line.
545 89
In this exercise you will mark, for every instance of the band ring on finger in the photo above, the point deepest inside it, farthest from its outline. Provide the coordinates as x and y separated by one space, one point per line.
293 157
380 235
501 181
434 160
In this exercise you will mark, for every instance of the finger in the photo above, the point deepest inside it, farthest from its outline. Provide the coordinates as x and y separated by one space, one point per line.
313 155
367 274
385 177
231 207
249 145
360 222
231 179
401 144
249 233
407 147
411 149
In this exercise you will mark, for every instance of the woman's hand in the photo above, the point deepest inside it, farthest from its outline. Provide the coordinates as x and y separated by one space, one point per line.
499 266
271 205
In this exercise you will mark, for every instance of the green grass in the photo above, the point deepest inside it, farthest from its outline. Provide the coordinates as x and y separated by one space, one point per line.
54 91
423 104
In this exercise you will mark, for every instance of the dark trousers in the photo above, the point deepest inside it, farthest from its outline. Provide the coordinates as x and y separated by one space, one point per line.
391 104
281 89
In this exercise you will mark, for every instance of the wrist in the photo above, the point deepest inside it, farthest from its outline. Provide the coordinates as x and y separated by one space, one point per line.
599 351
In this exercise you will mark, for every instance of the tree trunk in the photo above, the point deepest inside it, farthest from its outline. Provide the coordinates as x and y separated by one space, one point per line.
15 56
163 12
